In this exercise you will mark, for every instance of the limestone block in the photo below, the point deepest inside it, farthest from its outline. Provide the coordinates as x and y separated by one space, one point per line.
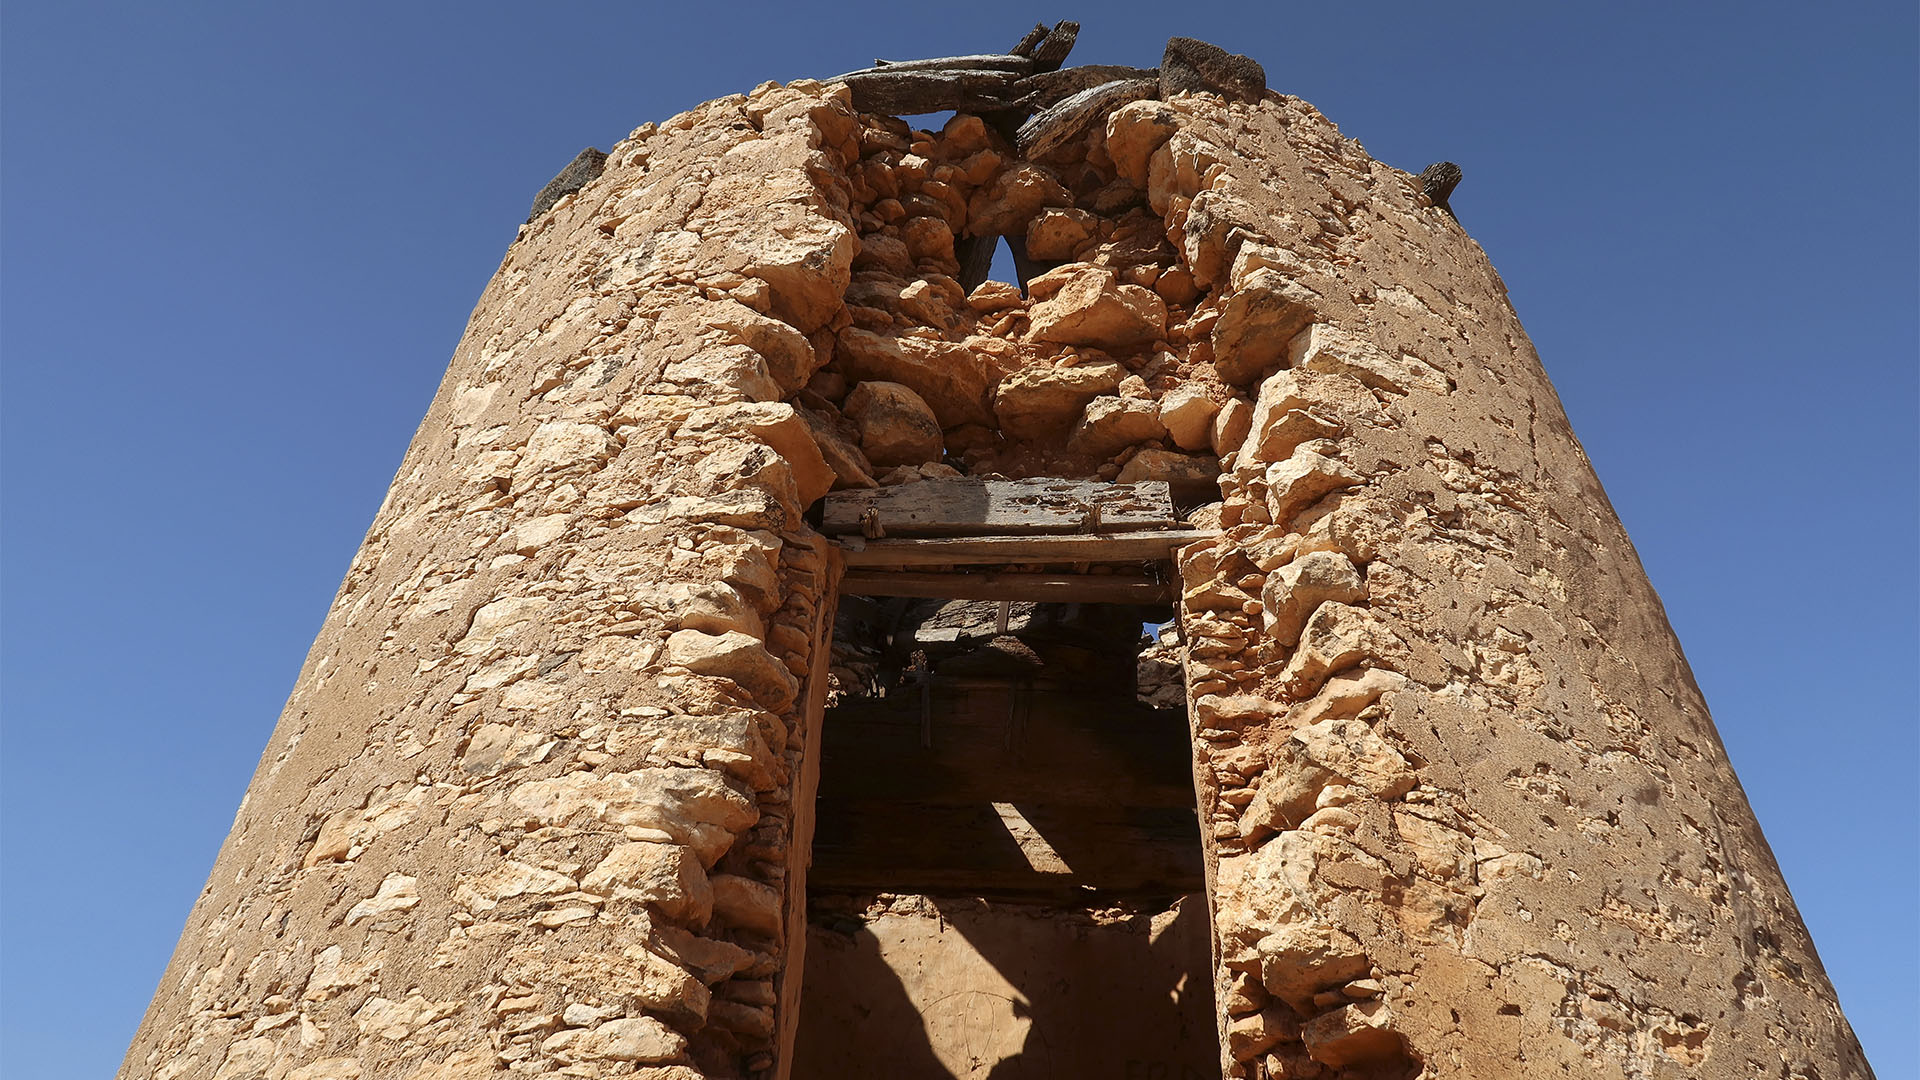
696 807
1287 794
716 608
667 876
1293 591
725 373
896 426
632 1038
1332 397
928 238
1004 207
1230 426
1109 425
1255 325
1356 1034
1250 1036
991 296
1091 308
1038 402
1058 233
1187 412
1336 637
747 904
1183 471
842 455
1302 480
805 258
1283 434
948 376
1350 748
780 426
561 445
397 893
1134 131
1329 350
1345 695
735 656
789 356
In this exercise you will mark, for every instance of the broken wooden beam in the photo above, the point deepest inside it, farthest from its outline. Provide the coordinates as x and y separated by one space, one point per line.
1151 545
1060 123
966 506
1038 588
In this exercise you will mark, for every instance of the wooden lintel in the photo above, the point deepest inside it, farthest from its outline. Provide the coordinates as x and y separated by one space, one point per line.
970 506
1040 588
1146 546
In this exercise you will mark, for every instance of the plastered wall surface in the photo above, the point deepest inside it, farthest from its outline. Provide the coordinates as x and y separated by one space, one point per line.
539 801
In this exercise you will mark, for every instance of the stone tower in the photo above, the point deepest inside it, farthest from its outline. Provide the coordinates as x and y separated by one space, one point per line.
543 801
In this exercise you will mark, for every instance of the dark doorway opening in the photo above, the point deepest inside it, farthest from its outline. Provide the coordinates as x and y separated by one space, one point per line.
1006 878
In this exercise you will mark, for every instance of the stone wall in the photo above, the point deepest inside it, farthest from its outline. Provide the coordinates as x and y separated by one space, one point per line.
540 800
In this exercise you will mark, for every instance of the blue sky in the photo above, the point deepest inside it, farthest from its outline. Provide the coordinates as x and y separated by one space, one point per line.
238 243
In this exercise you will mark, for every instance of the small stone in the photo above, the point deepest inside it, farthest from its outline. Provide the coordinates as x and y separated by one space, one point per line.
1058 233
1188 473
747 904
1038 402
735 656
1109 425
1296 589
1019 193
1302 480
1187 412
1134 131
1093 309
989 296
896 426
1355 1034
1256 324
632 1038
666 876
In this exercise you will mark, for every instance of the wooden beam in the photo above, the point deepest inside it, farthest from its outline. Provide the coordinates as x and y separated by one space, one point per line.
1151 545
966 506
1040 588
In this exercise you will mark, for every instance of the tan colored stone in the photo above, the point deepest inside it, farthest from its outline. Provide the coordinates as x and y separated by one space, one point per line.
789 356
1091 308
1059 233
1109 425
746 903
1355 1034
1256 324
1293 591
1186 472
1134 131
896 426
1187 413
1014 198
840 453
738 657
780 426
631 1038
1038 402
1335 638
1303 479
662 874
950 378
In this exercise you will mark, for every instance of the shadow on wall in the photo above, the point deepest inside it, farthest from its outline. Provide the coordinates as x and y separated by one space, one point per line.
964 989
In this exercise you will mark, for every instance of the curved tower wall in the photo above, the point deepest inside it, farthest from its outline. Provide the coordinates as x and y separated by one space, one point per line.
539 801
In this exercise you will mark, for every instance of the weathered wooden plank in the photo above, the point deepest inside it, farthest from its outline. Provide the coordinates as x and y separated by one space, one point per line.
911 92
1062 122
1040 588
1044 88
969 507
976 62
1052 50
1144 546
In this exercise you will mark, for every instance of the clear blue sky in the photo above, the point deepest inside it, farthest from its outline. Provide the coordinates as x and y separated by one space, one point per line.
240 241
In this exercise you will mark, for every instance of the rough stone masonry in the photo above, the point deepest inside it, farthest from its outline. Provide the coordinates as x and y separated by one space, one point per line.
539 803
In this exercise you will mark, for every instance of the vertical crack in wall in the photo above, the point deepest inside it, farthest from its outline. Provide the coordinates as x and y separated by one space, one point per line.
530 808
